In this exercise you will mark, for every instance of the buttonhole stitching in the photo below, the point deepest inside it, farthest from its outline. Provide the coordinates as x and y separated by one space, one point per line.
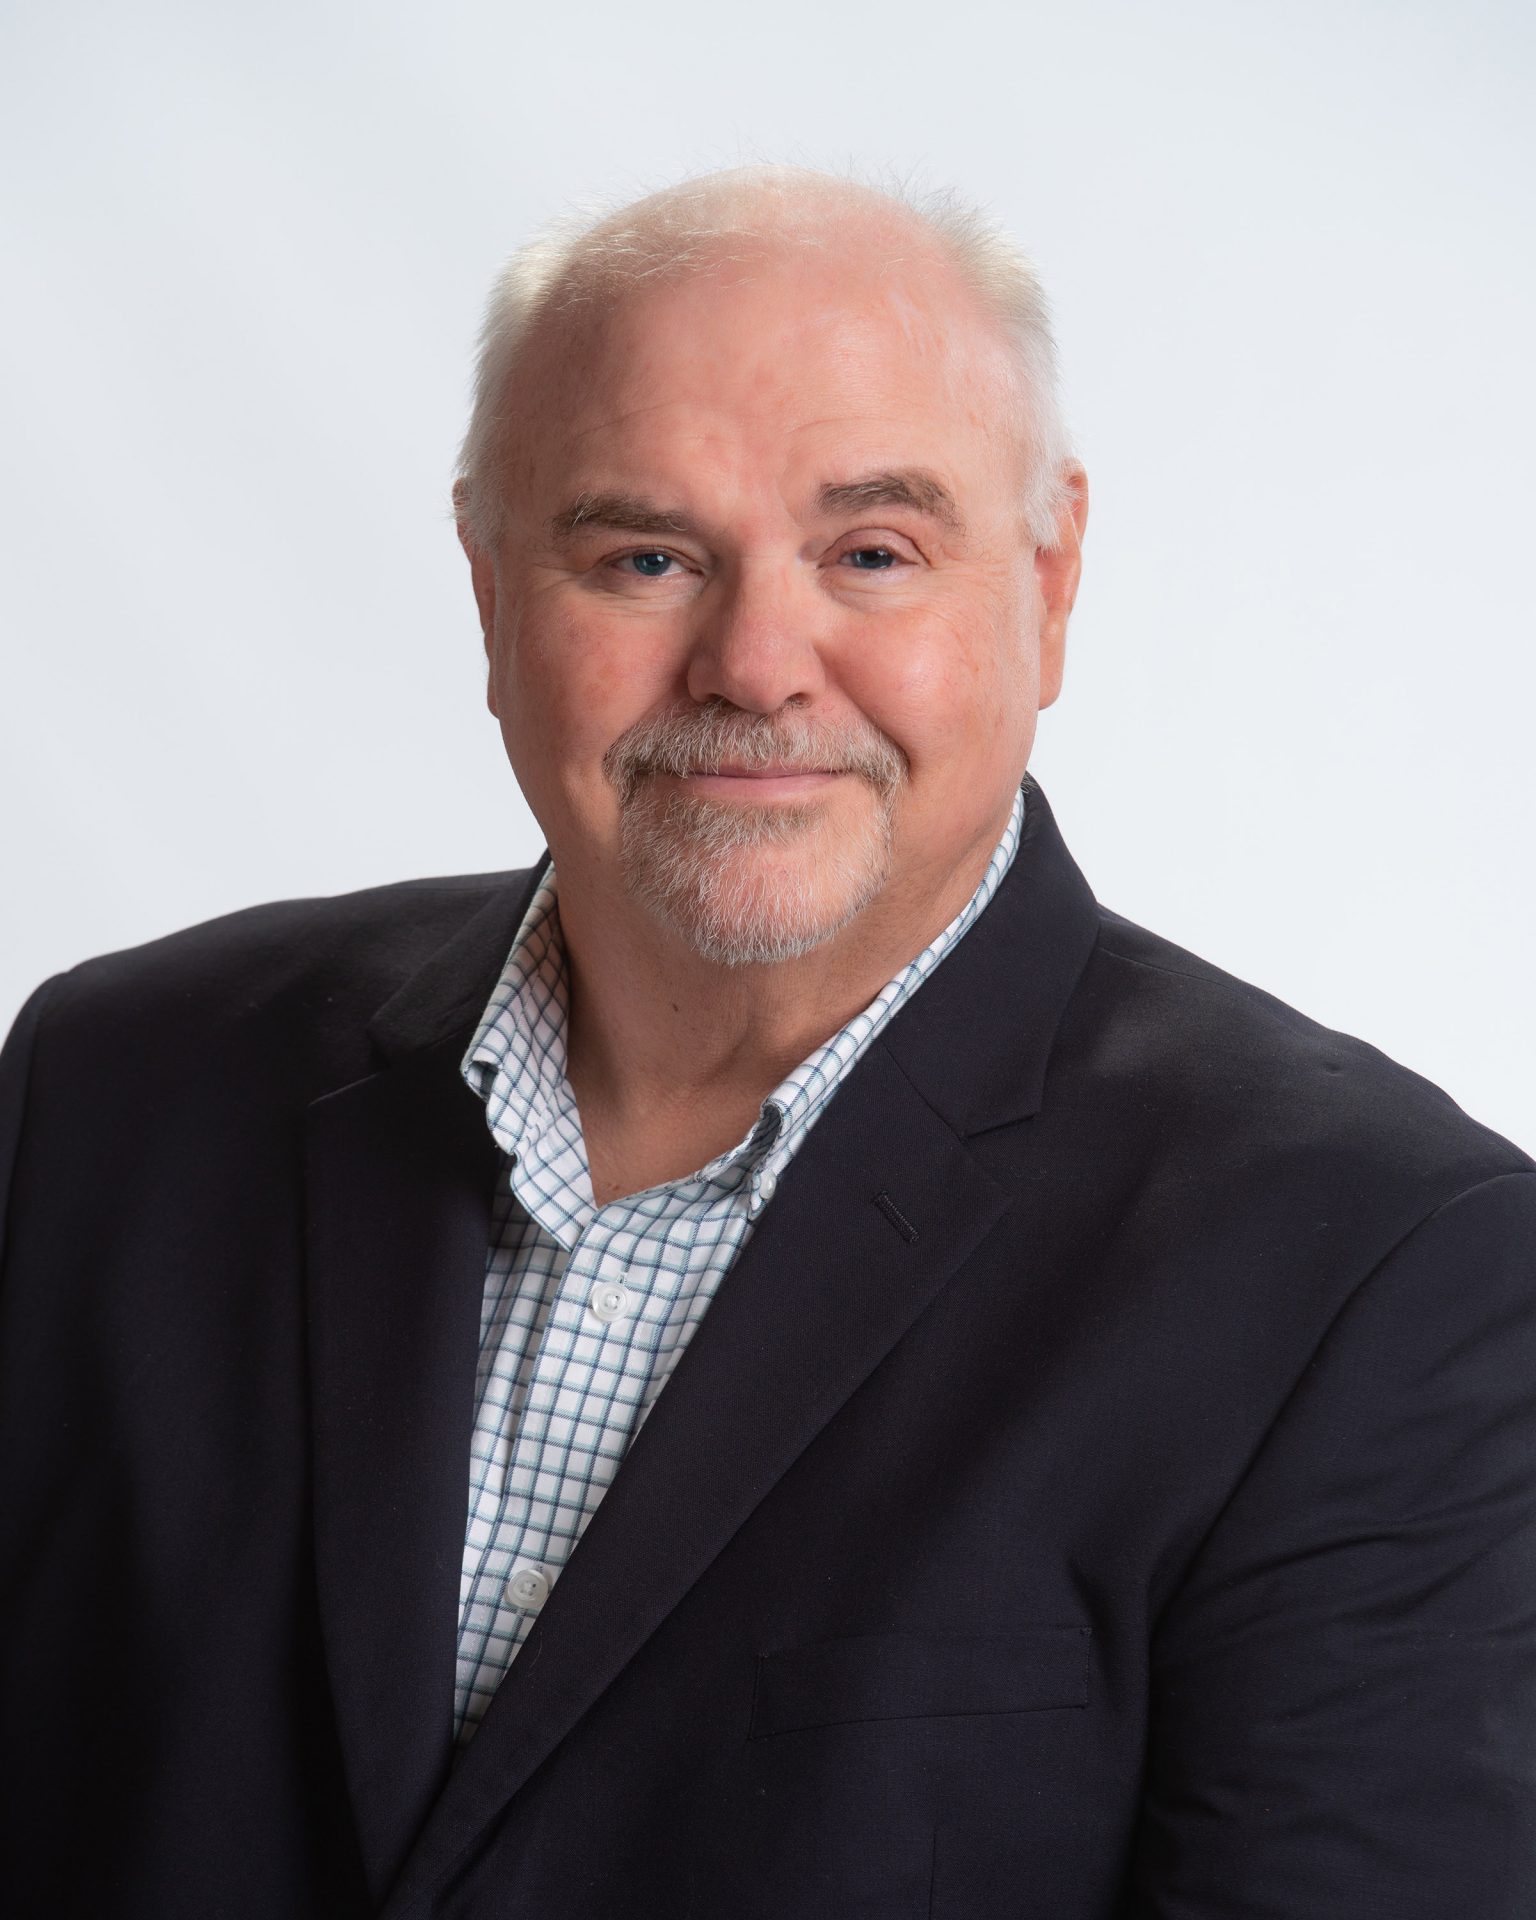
896 1217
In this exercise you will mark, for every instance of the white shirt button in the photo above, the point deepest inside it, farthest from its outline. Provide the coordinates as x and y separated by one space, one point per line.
528 1588
611 1300
765 1186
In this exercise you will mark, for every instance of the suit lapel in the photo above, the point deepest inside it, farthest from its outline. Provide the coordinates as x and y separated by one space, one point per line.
399 1173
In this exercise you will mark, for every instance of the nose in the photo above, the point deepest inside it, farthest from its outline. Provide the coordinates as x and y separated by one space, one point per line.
756 641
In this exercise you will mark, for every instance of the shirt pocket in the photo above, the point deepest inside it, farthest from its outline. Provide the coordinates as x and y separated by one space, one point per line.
902 1676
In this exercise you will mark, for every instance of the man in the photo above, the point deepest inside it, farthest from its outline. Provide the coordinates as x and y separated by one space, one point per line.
784 1362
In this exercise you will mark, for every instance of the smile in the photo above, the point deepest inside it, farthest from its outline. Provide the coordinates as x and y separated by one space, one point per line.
759 784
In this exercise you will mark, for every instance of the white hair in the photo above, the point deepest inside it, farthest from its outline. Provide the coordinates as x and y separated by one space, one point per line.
591 256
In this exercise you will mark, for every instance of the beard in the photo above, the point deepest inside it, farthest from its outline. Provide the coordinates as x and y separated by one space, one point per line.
751 885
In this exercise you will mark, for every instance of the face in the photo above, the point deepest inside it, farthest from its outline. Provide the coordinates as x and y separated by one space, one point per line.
767 634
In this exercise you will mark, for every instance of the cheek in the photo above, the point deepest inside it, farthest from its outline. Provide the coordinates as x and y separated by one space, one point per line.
570 685
947 687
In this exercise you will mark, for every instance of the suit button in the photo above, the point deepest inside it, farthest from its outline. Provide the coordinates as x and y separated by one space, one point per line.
528 1588
611 1300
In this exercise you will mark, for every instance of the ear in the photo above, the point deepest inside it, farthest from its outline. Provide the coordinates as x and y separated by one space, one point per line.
1058 569
482 574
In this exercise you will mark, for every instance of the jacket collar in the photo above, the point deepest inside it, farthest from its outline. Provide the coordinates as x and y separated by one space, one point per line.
1018 964
447 995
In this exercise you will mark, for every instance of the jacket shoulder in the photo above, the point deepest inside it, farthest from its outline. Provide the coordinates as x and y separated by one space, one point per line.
325 963
1244 1079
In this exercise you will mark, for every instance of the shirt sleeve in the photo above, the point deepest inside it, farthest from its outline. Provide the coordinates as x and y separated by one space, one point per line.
1344 1685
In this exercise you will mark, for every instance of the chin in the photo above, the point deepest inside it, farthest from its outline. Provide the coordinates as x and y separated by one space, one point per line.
753 886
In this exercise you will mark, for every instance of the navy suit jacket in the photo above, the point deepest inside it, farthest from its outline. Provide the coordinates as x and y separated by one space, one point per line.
1105 1488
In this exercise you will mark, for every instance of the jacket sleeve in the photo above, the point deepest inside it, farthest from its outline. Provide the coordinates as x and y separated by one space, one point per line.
1344 1685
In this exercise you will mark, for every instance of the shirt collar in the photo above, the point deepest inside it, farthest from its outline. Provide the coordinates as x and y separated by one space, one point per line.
516 1062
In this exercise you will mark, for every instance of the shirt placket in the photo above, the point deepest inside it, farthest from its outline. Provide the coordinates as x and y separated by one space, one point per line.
583 1397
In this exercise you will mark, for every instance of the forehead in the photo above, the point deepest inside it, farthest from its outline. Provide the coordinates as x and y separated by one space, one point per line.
765 366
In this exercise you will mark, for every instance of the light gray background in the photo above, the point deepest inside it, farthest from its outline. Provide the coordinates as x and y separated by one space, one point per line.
1290 251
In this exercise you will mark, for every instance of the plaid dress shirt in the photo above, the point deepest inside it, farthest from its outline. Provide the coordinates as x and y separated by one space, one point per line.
587 1309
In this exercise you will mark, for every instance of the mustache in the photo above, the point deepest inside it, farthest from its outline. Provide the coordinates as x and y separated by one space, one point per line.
703 739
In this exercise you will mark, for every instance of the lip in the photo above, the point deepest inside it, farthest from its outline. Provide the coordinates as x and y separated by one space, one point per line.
759 783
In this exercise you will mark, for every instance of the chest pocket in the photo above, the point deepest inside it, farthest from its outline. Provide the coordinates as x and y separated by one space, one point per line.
899 1676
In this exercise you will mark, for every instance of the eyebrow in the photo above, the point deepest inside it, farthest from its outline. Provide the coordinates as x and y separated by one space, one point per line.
914 488
626 512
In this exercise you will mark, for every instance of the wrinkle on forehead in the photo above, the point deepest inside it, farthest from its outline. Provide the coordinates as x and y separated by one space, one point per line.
769 383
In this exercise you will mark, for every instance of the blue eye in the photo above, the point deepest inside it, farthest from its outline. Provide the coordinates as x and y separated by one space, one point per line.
881 557
650 566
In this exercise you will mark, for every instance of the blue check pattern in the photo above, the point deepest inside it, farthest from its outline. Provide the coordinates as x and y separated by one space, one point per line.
587 1309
